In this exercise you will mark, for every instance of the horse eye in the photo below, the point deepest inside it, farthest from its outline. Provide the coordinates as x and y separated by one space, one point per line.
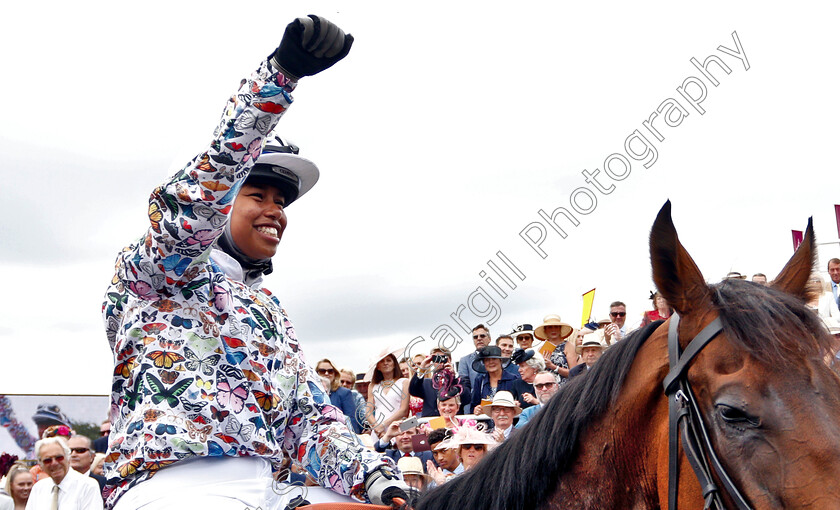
733 415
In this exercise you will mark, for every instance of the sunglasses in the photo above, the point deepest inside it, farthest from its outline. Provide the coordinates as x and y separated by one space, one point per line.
79 450
618 314
49 460
480 335
543 386
476 447
104 432
520 338
347 383
325 371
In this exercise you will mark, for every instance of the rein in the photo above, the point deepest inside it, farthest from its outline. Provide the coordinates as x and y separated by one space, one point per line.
686 421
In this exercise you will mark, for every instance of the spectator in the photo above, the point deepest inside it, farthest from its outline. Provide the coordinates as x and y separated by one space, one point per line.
492 378
617 329
834 276
446 458
415 404
555 331
98 464
524 336
100 444
472 446
62 431
448 405
502 410
64 488
388 398
423 384
466 371
546 384
48 415
81 458
760 278
734 275
661 310
528 365
413 474
415 362
505 343
18 486
405 368
403 447
822 300
590 351
340 396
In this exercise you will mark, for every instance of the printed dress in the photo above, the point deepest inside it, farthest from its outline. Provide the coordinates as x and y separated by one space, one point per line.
205 363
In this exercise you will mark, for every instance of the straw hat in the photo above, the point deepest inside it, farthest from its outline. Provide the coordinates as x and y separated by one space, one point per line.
590 341
412 466
502 399
553 320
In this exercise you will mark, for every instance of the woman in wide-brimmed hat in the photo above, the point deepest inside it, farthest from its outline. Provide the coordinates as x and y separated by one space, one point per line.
554 330
388 395
492 376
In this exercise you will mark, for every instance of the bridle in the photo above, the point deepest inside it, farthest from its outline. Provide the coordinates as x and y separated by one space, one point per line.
686 421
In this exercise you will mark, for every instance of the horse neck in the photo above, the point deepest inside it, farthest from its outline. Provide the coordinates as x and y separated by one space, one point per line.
620 456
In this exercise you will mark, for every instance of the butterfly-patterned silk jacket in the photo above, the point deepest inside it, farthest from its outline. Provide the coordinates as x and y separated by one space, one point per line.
205 364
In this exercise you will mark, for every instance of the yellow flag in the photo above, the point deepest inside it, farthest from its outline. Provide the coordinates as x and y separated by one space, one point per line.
588 299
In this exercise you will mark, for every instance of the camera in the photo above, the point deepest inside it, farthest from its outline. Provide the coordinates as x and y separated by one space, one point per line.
440 358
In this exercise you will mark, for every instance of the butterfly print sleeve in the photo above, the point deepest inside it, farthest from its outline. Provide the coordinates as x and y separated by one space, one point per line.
190 211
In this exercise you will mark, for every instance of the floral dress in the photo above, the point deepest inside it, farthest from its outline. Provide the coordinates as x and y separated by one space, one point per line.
558 357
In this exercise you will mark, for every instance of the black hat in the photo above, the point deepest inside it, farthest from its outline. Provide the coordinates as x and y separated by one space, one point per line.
489 352
521 356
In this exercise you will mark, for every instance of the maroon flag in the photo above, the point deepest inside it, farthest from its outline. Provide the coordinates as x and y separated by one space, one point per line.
837 215
797 238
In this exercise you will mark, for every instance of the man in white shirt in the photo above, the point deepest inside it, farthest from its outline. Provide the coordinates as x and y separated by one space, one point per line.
81 457
834 274
65 488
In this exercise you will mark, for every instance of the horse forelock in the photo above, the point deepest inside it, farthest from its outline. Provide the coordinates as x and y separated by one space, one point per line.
770 325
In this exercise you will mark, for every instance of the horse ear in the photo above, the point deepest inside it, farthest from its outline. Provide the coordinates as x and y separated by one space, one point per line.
794 276
674 272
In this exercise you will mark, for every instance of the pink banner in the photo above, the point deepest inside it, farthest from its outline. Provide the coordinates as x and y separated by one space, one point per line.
837 215
797 238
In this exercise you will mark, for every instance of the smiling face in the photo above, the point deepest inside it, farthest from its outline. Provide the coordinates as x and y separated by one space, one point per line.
21 485
448 408
493 365
54 462
506 345
258 220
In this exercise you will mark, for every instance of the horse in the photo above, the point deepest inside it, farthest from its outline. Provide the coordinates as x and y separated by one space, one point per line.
767 397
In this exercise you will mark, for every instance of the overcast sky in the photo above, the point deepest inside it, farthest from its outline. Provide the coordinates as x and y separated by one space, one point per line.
440 138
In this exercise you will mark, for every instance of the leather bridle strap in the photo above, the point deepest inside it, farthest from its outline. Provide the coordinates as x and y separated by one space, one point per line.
685 420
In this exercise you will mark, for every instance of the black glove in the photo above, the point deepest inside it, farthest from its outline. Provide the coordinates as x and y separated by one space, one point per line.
383 485
309 46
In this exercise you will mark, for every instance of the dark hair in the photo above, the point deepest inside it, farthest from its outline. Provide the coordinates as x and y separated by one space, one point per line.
617 303
835 260
438 435
552 441
378 376
503 336
482 326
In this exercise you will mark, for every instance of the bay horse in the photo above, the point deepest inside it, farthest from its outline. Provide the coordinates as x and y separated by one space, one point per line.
768 399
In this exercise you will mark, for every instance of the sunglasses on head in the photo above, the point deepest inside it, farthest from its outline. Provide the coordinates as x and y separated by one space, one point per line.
542 386
325 371
618 314
468 446
49 460
480 335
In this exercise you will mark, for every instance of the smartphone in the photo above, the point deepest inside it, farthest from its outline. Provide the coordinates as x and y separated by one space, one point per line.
420 443
409 424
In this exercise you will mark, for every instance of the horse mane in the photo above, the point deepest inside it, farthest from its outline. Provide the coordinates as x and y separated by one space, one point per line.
772 326
549 447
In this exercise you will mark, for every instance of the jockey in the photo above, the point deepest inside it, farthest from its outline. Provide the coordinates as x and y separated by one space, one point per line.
212 397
